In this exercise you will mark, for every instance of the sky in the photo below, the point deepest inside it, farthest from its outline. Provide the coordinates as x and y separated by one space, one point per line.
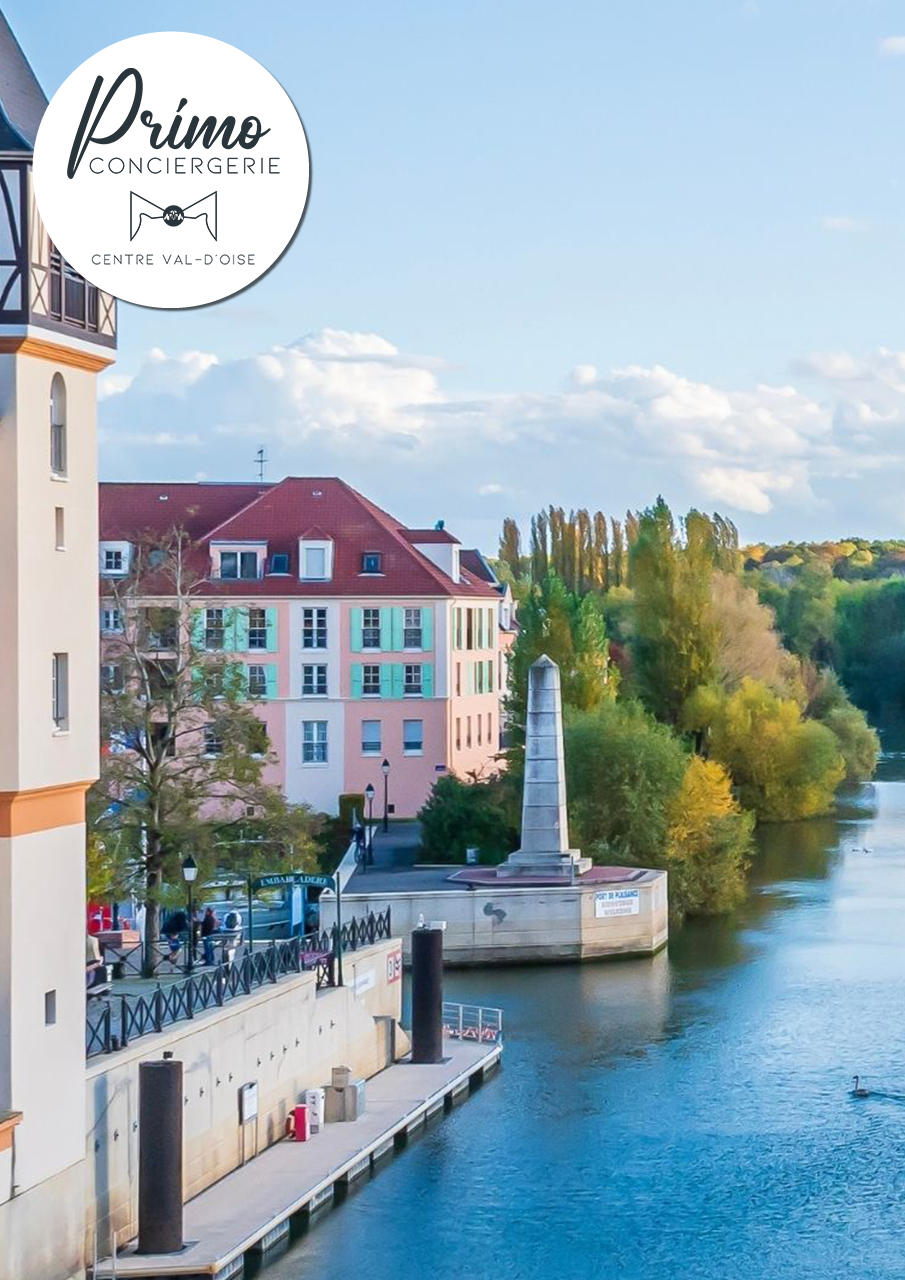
580 254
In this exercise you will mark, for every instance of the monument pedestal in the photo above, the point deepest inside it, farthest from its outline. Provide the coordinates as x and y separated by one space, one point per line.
567 866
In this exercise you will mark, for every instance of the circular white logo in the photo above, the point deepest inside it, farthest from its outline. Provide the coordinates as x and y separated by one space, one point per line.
171 169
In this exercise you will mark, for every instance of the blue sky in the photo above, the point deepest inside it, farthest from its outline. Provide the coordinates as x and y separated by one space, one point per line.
602 249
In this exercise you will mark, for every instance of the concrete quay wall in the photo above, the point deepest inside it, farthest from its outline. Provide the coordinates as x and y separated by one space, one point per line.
285 1038
491 925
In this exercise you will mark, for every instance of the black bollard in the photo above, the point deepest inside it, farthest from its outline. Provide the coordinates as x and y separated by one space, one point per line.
427 995
160 1156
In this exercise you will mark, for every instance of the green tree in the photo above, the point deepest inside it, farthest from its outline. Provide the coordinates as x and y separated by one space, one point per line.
511 549
458 815
184 755
857 741
784 767
676 632
709 843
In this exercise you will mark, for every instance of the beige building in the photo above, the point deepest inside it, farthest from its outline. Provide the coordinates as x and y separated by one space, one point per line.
56 333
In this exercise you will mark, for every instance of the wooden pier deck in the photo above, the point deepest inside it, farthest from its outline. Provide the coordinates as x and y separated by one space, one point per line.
250 1208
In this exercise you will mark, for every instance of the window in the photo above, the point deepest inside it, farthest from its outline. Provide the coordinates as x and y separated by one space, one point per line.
59 528
458 734
60 690
314 562
213 743
370 680
468 731
489 734
238 564
479 619
112 677
111 621
370 629
279 563
113 560
412 635
458 679
370 738
478 679
314 742
163 741
314 680
314 628
412 686
160 626
58 426
50 1008
469 628
458 628
257 681
258 741
161 677
371 562
480 725
257 628
412 737
213 628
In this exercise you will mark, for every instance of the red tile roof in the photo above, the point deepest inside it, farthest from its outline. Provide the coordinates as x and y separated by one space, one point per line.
280 514
429 535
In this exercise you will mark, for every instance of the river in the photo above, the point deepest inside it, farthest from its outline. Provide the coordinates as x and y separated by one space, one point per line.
683 1116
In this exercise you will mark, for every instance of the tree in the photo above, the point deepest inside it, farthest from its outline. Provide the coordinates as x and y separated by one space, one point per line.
784 767
856 740
709 842
747 642
676 632
459 815
511 549
184 755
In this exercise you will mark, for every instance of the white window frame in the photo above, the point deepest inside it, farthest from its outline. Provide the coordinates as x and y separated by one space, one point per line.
416 690
260 631
123 549
112 621
60 692
213 745
261 690
409 625
370 629
324 545
320 676
372 748
214 626
315 744
372 692
315 629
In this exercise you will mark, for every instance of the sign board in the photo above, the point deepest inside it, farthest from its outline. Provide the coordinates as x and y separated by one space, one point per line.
248 1102
394 966
617 902
362 982
311 881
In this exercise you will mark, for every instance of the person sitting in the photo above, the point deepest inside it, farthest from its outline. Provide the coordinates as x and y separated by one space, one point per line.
209 926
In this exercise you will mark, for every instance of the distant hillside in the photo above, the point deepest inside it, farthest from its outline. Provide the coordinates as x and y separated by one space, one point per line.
853 559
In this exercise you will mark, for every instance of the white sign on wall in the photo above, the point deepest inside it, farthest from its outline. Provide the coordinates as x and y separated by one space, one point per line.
617 902
248 1102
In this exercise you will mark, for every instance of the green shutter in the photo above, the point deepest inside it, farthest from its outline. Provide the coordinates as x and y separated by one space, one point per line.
241 630
427 627
386 630
229 630
387 680
198 628
398 680
272 638
398 628
490 675
235 680
427 679
356 617
356 672
270 674
490 622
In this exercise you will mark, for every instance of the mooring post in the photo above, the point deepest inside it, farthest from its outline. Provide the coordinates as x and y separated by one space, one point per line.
427 994
160 1156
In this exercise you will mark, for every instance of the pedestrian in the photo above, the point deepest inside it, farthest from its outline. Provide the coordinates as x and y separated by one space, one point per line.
209 926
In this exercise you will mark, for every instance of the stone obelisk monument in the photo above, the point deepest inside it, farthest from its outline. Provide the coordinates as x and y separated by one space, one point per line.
544 851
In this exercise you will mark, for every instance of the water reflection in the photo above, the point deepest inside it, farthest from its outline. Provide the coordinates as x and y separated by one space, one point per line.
684 1116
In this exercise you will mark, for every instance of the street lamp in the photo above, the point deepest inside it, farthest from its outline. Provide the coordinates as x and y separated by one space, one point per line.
385 769
190 875
369 796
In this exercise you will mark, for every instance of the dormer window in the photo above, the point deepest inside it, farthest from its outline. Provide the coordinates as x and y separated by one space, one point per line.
238 564
372 562
315 559
114 559
279 563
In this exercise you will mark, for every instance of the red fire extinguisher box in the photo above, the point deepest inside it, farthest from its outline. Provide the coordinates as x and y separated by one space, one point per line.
297 1124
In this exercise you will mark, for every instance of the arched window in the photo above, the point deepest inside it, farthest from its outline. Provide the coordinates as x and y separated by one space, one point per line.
58 425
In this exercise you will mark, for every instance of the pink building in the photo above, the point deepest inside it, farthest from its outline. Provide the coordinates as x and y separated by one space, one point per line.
365 640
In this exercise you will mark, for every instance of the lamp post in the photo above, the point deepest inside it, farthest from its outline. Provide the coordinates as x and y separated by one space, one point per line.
190 875
385 769
369 848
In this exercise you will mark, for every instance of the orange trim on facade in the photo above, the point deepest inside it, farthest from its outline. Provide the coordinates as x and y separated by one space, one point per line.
42 349
8 1122
24 812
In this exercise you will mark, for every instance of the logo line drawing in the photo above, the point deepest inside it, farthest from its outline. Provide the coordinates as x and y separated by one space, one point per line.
172 215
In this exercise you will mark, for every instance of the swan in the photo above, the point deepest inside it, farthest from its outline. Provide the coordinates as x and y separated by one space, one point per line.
859 1091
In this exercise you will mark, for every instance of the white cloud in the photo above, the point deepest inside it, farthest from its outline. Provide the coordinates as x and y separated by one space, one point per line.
828 446
893 46
844 224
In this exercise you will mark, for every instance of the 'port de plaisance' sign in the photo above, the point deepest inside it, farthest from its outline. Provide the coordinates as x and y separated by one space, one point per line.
171 169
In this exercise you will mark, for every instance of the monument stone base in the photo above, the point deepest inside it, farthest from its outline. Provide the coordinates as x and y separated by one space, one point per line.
567 865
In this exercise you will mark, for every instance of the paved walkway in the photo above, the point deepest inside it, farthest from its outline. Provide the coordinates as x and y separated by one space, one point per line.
253 1202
